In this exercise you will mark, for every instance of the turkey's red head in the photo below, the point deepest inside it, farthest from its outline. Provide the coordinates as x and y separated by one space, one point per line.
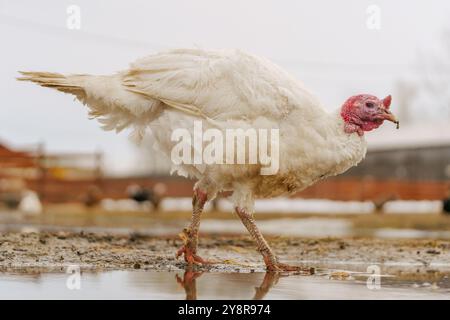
365 112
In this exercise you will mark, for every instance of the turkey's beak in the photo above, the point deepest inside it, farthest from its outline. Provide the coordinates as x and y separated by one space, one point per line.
387 115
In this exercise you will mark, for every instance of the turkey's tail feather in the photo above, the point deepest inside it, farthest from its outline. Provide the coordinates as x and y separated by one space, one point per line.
107 100
60 82
115 105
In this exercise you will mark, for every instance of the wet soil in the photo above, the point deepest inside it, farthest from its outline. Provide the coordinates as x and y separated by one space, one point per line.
105 251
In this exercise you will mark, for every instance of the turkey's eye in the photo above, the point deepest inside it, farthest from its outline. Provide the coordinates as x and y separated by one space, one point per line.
370 104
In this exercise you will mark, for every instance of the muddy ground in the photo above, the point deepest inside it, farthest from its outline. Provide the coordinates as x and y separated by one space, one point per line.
47 251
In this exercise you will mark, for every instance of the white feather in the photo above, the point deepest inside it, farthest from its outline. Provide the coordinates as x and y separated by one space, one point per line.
224 89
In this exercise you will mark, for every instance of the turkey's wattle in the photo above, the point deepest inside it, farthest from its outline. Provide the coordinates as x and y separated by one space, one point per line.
229 89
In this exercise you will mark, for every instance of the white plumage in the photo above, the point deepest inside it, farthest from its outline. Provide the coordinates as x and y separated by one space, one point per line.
169 90
224 89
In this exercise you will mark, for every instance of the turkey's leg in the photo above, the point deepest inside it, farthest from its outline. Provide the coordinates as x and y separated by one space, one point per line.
270 259
190 234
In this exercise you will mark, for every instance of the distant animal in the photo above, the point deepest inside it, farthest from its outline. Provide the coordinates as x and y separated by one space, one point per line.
92 197
446 204
141 195
138 193
380 202
229 89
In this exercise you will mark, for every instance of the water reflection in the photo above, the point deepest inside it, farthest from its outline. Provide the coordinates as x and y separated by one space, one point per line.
398 282
423 284
189 283
270 279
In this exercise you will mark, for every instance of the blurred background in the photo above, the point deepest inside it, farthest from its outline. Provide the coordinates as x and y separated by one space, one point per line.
59 169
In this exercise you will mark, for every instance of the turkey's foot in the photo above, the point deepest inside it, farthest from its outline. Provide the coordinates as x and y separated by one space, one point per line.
274 266
189 250
191 257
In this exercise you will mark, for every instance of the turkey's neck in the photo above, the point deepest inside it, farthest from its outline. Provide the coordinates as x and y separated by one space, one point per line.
346 131
349 148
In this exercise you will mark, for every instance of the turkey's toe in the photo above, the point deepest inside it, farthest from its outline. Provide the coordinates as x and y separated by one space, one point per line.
279 267
190 257
273 265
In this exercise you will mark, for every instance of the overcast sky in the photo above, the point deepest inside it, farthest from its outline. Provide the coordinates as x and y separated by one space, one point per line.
325 44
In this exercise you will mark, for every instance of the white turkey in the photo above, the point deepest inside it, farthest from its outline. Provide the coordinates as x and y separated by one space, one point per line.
229 89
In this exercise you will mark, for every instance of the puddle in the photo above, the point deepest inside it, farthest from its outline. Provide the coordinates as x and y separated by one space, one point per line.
410 234
194 285
305 227
162 224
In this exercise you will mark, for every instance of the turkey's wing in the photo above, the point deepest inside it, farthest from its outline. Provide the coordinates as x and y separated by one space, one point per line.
218 84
